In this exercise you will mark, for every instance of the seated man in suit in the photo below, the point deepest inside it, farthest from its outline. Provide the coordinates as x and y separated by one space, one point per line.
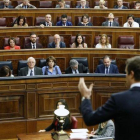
6 5
120 5
82 4
110 22
47 22
31 70
25 5
33 44
64 21
107 67
76 68
57 42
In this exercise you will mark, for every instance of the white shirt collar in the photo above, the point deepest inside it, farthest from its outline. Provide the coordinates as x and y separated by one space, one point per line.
135 85
33 44
29 71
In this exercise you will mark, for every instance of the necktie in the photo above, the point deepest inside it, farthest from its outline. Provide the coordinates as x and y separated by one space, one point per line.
31 73
110 24
75 72
33 46
107 70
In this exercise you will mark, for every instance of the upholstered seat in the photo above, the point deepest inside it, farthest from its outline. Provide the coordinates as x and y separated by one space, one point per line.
45 4
74 122
42 63
21 64
3 22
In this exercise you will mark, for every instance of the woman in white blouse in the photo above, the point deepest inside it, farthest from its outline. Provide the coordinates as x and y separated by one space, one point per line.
103 42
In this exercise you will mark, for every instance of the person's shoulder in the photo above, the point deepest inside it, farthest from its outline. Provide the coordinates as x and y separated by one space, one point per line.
17 47
77 6
96 7
57 6
110 122
115 66
2 6
6 47
24 68
38 68
124 7
67 6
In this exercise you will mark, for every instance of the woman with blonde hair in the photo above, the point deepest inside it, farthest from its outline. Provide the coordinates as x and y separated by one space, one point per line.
103 42
101 5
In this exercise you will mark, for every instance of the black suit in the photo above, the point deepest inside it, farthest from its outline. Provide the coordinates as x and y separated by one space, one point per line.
116 7
123 107
24 71
81 69
3 6
29 46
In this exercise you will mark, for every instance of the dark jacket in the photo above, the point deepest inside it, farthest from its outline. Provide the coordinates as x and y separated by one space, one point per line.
123 107
112 69
29 46
80 6
44 23
52 45
81 69
24 71
89 24
116 7
113 24
9 6
59 23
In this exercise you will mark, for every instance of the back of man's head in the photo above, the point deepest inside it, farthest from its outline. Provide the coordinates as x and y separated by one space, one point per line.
133 64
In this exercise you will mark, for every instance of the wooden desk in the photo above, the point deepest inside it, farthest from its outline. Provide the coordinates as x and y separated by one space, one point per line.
35 136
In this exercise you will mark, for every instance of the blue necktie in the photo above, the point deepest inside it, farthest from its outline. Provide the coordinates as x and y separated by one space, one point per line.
107 70
31 73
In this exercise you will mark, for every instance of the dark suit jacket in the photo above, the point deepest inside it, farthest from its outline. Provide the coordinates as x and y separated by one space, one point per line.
59 23
112 69
29 46
89 24
80 6
9 6
123 107
81 69
44 23
113 24
52 45
24 71
116 7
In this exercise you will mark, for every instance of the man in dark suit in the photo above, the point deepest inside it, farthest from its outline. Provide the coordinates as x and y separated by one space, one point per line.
31 70
47 22
82 4
76 68
120 5
123 107
33 44
110 22
57 42
107 67
6 5
64 21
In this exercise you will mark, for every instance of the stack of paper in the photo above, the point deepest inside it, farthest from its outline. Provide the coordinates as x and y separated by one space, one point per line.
78 134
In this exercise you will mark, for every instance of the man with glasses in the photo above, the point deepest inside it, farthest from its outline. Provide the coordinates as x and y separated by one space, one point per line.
64 21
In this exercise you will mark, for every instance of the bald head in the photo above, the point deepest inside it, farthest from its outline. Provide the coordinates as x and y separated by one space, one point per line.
57 38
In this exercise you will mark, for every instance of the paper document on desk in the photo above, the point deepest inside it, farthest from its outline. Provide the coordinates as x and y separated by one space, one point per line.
78 135
79 130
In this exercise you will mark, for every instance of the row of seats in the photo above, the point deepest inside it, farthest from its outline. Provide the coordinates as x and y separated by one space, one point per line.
49 4
42 63
125 42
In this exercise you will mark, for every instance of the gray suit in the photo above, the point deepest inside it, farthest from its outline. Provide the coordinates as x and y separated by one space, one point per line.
58 6
20 6
113 24
24 71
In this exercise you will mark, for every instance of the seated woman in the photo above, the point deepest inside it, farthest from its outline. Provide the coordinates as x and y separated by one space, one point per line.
55 125
5 71
85 21
12 45
105 129
61 4
103 42
79 42
51 68
101 5
21 22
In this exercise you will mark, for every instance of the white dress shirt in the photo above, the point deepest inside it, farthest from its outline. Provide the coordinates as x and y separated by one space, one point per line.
29 71
135 85
73 71
34 45
100 46
134 24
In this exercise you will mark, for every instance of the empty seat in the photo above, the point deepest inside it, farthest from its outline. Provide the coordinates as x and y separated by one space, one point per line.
137 20
78 19
21 64
45 4
5 42
72 40
78 3
3 22
38 20
126 42
42 63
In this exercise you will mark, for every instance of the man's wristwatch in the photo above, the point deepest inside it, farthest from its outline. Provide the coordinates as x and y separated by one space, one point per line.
83 98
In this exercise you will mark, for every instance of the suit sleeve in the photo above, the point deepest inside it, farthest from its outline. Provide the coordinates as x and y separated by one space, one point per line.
49 45
97 70
116 70
103 24
58 70
52 126
102 114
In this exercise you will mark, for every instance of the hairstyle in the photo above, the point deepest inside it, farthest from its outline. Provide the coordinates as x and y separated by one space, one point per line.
106 56
76 42
102 1
107 40
4 71
133 64
32 33
130 16
50 58
73 62
61 0
137 2
64 16
31 58
21 17
85 15
48 14
12 38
